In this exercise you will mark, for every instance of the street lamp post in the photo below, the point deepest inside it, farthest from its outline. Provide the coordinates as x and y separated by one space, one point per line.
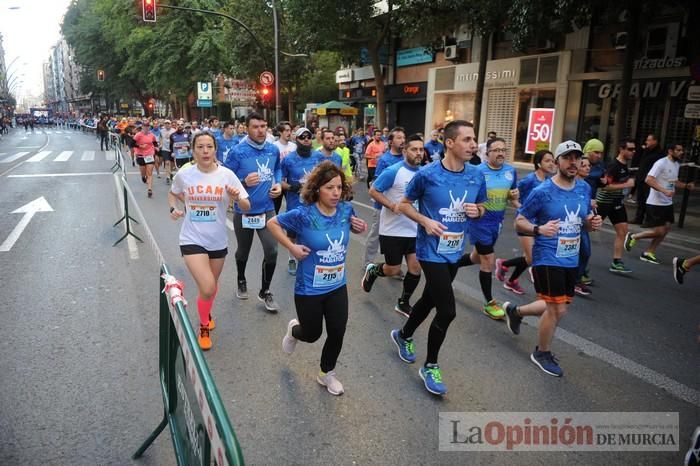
278 105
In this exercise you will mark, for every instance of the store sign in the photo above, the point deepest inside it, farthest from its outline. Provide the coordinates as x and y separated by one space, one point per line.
490 75
241 95
645 90
645 63
343 76
414 56
694 93
692 111
539 129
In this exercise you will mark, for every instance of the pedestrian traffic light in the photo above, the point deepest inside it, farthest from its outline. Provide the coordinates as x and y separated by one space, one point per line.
149 10
265 91
100 75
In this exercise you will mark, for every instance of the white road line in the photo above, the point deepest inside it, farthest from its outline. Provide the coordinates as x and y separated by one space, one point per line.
88 155
63 156
12 158
612 358
39 156
51 175
363 205
130 240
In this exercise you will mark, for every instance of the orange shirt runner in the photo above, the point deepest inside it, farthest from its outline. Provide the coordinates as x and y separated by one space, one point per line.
373 152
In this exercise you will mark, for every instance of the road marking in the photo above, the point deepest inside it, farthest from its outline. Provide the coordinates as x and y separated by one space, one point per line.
50 175
363 205
12 158
594 350
88 155
130 240
37 205
40 156
63 156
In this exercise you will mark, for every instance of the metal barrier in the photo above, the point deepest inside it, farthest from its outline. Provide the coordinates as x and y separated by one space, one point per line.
126 218
199 425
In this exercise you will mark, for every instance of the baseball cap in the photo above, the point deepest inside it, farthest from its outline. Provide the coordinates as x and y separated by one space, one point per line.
167 122
301 131
593 145
567 147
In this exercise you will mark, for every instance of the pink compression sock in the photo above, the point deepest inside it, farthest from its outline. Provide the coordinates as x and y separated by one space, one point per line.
204 309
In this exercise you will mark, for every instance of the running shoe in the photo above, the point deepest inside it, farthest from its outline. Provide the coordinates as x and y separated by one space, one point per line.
407 350
292 267
501 270
331 382
619 267
432 378
270 304
369 277
289 343
532 276
403 308
513 320
143 178
212 324
150 193
546 361
649 257
678 269
629 242
692 456
513 286
242 290
494 310
582 289
158 174
204 340
167 180
586 280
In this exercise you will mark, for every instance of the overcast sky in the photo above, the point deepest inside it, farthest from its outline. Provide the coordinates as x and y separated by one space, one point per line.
29 32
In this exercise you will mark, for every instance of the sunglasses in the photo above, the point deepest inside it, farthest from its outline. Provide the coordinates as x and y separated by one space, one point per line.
303 137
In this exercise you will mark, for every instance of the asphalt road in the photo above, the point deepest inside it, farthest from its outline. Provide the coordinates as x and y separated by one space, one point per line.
79 365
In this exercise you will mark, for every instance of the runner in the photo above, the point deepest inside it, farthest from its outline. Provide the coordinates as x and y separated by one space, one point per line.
296 168
448 192
397 233
555 212
681 266
225 141
257 163
663 181
327 150
581 288
206 190
593 151
180 145
165 150
501 186
373 150
156 130
322 226
145 144
543 161
610 200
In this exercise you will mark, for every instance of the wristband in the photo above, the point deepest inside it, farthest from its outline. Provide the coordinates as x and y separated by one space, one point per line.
536 230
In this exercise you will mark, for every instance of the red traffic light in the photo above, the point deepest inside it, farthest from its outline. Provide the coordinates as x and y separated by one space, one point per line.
265 91
100 75
149 10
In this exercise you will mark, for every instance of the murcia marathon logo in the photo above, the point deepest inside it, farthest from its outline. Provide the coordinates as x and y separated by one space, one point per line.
264 171
572 223
455 212
335 252
305 177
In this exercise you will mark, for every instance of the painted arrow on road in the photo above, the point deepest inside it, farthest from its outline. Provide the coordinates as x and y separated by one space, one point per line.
37 205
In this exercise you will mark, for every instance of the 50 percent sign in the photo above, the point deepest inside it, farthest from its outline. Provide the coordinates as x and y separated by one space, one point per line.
37 205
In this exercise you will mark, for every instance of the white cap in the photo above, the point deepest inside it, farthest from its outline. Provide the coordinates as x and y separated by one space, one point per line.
567 147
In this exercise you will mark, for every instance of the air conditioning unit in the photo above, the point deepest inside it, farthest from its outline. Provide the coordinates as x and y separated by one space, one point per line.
451 52
620 41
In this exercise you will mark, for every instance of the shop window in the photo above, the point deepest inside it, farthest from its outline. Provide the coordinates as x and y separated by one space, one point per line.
589 124
449 107
680 129
548 69
445 79
527 99
528 71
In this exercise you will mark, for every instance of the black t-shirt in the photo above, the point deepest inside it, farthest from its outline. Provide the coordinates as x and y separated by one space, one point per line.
616 173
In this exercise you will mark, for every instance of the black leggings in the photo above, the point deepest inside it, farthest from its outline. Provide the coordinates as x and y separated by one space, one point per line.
438 294
311 310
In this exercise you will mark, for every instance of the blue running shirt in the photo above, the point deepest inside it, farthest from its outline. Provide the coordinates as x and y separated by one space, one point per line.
498 184
245 159
550 202
527 184
323 270
334 157
223 147
440 194
296 169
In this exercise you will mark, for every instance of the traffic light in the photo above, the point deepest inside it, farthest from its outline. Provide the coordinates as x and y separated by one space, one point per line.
265 92
149 10
100 75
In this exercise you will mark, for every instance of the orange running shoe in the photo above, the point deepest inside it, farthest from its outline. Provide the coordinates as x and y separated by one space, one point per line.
204 340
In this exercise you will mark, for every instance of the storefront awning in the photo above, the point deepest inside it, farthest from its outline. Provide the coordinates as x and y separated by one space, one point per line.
335 108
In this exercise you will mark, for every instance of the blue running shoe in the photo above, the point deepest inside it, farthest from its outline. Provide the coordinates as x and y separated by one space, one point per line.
546 361
407 351
432 378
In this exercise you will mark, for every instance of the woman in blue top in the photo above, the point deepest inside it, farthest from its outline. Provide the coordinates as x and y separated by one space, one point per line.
322 226
544 168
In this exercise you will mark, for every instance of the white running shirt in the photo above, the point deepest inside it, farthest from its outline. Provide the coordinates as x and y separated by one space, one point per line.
666 173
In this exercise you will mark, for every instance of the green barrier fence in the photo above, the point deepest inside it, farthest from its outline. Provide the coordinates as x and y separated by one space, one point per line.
199 425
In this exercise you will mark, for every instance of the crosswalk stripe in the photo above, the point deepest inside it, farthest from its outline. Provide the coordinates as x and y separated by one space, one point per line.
63 156
88 155
39 156
12 158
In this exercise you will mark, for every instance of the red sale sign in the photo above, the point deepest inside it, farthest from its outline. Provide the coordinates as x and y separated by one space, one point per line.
539 130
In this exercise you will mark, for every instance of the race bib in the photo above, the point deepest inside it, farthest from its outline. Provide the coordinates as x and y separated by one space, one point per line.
253 222
450 242
568 247
181 153
328 275
203 213
148 159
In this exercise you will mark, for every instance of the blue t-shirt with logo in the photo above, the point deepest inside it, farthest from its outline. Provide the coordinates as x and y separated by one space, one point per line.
385 161
323 270
434 149
527 184
334 157
224 146
296 169
548 202
440 194
263 160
